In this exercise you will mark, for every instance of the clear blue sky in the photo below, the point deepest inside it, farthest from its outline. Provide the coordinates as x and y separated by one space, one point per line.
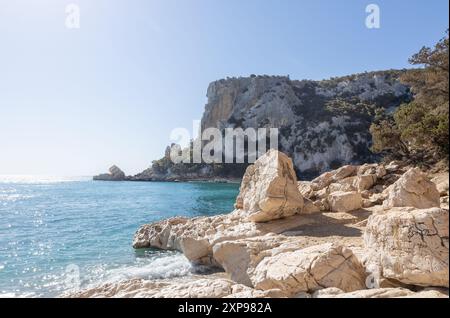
73 102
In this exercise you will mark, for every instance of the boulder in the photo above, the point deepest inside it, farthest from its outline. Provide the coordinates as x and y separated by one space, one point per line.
441 182
269 189
348 183
394 166
344 201
344 172
310 269
372 169
310 207
322 181
323 193
239 258
342 186
334 176
413 189
365 182
409 246
305 188
367 203
323 205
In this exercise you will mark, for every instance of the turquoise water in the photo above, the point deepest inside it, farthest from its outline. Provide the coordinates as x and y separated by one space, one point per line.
58 235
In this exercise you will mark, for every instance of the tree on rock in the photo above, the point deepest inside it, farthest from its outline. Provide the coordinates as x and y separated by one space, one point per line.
420 126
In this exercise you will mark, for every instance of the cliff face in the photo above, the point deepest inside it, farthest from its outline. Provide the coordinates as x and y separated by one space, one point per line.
322 124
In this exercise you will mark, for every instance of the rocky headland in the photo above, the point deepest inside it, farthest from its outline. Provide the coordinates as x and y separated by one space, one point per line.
368 231
322 125
115 174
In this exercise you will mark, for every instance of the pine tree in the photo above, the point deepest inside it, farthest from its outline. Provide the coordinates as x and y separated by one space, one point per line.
420 126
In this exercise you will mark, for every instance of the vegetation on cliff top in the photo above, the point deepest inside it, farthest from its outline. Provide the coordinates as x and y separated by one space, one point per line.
418 130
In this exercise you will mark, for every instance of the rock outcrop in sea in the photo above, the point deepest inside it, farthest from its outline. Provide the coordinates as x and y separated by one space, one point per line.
353 232
115 174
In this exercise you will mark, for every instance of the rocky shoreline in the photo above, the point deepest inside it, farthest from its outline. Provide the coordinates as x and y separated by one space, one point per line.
369 231
116 174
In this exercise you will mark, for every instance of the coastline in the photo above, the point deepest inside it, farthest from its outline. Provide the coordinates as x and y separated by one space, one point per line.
213 180
215 155
341 220
116 174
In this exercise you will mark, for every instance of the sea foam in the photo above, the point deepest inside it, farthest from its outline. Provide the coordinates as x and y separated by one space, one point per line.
162 267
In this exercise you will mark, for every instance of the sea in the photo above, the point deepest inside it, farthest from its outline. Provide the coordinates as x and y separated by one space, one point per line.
59 235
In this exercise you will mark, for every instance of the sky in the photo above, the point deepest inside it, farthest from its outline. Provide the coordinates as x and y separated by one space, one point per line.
74 101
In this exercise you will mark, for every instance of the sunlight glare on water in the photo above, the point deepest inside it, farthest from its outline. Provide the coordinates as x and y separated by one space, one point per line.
49 223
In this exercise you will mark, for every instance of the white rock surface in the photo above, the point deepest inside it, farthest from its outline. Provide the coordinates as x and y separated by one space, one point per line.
372 169
345 201
379 293
239 258
330 292
269 189
413 189
409 245
277 243
441 182
310 269
196 237
327 178
365 182
310 207
305 188
197 288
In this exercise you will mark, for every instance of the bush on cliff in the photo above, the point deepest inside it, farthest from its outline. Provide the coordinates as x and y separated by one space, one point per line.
421 126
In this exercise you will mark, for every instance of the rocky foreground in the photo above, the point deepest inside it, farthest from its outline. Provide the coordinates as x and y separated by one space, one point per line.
368 231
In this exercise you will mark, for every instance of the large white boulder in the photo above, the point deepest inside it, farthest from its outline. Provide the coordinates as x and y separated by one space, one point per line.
409 245
413 189
239 258
344 201
269 189
310 269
